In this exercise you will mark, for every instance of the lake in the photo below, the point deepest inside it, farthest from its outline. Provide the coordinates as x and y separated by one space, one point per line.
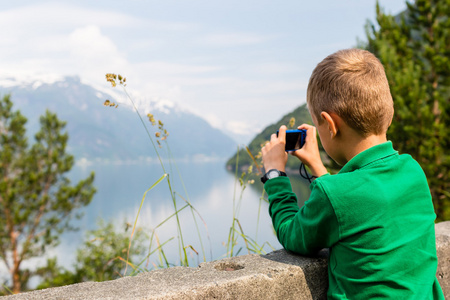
211 189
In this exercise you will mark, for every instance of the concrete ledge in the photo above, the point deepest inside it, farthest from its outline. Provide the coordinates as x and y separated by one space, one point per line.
277 275
443 253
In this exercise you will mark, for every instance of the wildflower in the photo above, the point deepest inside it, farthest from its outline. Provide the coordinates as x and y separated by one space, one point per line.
122 80
158 134
151 118
110 77
251 181
110 104
292 122
250 169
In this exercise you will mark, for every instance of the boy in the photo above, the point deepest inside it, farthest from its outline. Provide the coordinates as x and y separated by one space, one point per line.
376 214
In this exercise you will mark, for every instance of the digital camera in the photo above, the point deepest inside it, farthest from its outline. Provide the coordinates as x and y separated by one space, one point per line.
295 138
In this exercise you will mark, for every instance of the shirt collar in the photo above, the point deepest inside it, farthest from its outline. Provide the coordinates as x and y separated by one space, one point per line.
368 156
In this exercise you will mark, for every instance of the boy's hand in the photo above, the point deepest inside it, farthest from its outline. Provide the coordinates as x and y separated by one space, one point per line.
273 154
309 154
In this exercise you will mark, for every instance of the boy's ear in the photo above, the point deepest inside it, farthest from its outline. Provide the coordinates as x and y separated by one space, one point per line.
332 122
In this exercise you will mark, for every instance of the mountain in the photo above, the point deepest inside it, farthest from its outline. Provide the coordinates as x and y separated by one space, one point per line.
301 115
104 133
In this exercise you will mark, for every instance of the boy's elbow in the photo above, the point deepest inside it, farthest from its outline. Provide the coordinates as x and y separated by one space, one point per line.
302 250
296 244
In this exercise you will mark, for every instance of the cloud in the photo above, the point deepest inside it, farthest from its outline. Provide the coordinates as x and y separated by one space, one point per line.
242 128
62 16
276 68
234 128
86 52
234 39
90 48
59 38
67 39
169 68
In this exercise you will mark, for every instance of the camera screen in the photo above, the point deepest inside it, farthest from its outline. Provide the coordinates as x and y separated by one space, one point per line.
293 141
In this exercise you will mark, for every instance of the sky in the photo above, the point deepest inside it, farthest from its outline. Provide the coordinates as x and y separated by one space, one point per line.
240 64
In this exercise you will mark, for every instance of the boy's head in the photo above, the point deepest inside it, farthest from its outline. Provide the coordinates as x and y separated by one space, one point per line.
352 84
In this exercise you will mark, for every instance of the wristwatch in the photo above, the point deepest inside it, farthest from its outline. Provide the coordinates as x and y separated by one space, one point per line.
272 174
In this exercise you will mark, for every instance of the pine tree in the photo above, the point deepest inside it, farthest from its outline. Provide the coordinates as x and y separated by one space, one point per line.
37 200
414 48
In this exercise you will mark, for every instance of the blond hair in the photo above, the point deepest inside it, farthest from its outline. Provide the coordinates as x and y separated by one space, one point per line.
352 84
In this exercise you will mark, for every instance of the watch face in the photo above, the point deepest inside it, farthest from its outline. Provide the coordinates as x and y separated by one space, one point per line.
273 174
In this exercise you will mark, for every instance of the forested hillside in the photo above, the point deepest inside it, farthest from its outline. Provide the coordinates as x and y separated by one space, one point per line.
301 115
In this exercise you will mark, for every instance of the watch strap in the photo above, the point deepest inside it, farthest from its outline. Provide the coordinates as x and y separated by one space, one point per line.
265 177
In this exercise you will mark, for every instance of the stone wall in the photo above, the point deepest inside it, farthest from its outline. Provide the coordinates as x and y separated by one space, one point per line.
277 275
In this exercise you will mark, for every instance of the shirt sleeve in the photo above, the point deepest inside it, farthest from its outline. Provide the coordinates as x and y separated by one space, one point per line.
304 230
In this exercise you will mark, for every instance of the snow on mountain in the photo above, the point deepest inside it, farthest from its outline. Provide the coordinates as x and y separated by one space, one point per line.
104 133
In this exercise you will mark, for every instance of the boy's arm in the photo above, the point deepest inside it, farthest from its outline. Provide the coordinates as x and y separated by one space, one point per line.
305 230
314 226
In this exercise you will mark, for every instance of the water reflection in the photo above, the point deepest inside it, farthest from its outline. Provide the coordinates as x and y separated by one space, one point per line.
207 185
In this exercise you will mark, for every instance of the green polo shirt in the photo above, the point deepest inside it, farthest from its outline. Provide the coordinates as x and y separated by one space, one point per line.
377 218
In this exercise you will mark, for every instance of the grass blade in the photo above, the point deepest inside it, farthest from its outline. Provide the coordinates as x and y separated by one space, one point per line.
137 216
